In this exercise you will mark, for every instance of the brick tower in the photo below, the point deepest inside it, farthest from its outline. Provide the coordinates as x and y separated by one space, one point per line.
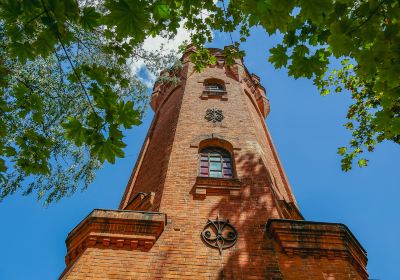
208 197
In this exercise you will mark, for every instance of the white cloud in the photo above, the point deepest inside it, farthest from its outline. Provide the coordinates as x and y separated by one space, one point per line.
155 44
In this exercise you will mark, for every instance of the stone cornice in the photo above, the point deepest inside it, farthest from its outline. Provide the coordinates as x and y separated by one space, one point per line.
115 229
318 240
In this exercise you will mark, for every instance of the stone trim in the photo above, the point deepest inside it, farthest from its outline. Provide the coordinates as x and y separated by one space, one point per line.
223 95
205 186
141 202
290 210
316 239
228 143
115 229
259 100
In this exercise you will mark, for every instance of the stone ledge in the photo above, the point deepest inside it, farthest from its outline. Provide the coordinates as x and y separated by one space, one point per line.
115 229
316 239
217 186
223 95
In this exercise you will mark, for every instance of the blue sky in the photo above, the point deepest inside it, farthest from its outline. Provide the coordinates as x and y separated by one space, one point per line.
306 128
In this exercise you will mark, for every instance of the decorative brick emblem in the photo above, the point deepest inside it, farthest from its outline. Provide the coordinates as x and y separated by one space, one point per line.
219 234
214 115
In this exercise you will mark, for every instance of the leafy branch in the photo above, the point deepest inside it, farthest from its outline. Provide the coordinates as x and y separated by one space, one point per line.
71 64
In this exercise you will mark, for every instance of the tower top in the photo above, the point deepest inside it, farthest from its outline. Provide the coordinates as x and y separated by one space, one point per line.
238 71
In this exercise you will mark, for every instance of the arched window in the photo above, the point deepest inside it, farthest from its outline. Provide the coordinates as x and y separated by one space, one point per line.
215 162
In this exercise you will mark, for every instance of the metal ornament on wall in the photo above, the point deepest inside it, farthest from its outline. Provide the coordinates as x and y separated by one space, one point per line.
214 115
219 234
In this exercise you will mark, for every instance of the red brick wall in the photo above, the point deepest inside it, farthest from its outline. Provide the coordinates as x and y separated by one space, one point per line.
168 167
294 268
150 170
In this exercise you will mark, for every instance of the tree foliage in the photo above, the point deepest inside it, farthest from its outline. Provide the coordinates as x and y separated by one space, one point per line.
363 35
66 90
66 95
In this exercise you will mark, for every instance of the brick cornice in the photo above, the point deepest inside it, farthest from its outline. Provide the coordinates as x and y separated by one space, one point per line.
316 239
115 229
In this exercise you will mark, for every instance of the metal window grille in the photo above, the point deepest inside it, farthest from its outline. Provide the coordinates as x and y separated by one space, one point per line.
218 88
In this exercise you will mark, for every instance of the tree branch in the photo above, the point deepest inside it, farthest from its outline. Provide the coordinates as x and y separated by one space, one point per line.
72 65
373 13
35 17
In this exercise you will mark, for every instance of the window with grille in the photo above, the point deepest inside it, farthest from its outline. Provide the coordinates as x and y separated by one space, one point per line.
216 163
214 88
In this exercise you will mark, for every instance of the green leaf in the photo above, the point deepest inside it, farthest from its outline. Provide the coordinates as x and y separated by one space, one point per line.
301 67
10 10
44 44
96 72
37 117
201 58
349 125
10 151
129 18
300 51
75 131
22 51
278 56
108 150
212 60
127 115
94 120
325 92
162 11
341 44
362 162
90 18
315 10
290 38
272 14
342 150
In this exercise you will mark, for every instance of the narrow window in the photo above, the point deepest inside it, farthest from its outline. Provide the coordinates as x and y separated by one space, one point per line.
216 163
